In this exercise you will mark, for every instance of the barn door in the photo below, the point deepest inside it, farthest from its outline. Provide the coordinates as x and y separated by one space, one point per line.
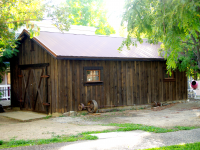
34 89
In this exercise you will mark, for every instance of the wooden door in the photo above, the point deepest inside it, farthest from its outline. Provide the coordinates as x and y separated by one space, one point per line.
34 89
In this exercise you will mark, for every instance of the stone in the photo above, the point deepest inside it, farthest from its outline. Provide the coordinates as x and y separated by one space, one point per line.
56 114
66 114
72 113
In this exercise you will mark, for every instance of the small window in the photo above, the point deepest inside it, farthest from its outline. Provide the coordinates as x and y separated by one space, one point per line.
93 75
168 77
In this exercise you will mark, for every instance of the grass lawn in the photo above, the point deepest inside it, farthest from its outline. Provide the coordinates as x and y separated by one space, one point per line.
87 136
191 146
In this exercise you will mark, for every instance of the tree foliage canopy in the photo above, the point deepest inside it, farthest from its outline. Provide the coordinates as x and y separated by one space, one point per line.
175 23
88 13
13 14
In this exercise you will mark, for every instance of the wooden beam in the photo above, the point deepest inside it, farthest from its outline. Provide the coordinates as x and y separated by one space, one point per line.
33 66
38 87
45 76
26 87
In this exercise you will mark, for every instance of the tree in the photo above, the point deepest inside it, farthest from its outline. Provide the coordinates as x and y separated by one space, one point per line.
88 13
175 23
15 13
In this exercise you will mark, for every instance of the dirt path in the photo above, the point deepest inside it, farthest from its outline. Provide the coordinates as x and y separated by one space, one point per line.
184 114
42 129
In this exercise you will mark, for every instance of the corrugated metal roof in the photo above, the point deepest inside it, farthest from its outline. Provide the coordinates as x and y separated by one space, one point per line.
67 45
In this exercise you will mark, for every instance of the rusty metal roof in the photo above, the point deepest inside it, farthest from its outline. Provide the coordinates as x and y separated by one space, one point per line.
67 45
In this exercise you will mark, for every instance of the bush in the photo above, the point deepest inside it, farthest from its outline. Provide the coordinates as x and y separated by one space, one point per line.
1 142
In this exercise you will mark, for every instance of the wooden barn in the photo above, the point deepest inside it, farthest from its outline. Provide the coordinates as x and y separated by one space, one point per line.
55 72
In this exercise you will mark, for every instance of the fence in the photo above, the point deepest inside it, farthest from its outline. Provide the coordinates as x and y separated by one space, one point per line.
5 92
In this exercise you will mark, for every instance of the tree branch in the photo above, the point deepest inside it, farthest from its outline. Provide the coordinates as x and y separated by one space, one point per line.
188 43
164 17
197 46
25 20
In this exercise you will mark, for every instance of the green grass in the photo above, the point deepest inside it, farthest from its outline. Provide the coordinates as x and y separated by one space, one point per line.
87 136
55 139
191 146
141 108
84 113
184 128
121 110
47 117
131 127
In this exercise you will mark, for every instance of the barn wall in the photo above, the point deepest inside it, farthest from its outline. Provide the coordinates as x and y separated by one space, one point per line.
31 53
124 82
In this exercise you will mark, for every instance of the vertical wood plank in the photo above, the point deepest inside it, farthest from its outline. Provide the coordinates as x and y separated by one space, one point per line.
115 101
119 84
132 83
123 83
128 82
135 83
69 71
138 82
149 81
141 75
145 83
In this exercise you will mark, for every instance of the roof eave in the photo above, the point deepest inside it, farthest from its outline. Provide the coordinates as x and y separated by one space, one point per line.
110 58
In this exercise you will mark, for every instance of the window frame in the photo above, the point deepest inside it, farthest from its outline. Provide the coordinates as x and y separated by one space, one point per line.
169 79
99 75
92 68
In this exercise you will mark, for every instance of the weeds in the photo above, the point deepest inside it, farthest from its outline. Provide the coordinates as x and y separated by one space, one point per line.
84 113
133 108
131 127
121 110
191 146
54 139
47 117
1 142
185 128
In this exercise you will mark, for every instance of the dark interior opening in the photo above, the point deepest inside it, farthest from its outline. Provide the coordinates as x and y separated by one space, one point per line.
193 82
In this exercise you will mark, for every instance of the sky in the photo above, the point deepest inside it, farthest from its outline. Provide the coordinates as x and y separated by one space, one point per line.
114 9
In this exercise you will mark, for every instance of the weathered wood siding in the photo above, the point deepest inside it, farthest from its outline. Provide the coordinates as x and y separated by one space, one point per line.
124 82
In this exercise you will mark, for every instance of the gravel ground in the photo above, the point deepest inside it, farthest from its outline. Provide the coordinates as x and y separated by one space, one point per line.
184 114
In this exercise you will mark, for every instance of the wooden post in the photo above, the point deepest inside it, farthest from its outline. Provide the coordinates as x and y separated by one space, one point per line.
46 88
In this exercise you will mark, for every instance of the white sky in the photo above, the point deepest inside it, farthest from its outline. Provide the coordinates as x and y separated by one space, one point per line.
115 11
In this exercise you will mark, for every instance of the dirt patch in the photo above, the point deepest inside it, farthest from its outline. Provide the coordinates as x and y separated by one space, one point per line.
181 114
184 114
42 129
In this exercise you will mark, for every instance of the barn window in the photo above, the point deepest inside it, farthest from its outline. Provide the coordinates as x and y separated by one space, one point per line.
93 75
168 77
